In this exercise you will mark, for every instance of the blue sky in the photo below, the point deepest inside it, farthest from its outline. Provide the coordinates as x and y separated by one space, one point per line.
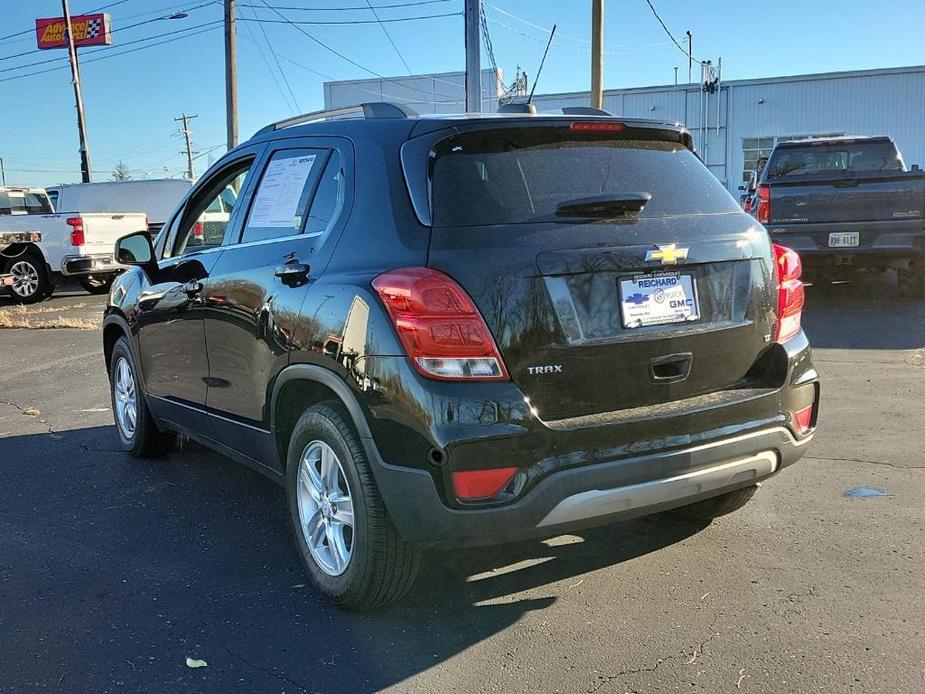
131 100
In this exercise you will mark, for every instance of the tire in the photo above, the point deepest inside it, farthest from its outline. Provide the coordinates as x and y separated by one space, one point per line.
31 282
138 433
717 506
375 566
97 284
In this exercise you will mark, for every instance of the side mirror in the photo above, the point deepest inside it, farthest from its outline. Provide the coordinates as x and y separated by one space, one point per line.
135 249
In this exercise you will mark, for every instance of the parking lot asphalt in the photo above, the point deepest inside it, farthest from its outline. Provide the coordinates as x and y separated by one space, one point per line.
114 571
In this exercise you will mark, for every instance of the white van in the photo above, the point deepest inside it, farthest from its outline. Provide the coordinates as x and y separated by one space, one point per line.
156 197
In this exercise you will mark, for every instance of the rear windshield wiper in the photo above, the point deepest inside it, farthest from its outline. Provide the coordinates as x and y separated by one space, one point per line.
603 206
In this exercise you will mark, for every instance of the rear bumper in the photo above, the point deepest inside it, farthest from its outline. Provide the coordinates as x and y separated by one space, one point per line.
89 264
880 244
590 495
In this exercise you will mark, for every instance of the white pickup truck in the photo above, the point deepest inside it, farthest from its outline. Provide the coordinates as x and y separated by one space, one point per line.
73 244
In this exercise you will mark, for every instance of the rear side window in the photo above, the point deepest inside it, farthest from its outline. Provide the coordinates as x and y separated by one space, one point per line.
285 189
329 199
517 176
23 202
834 159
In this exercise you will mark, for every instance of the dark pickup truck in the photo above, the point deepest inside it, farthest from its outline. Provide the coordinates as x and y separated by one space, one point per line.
846 203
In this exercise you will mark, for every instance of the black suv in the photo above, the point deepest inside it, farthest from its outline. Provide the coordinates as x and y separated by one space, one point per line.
465 330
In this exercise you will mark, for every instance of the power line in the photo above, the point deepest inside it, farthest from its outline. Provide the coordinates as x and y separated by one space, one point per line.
282 74
346 9
389 37
351 22
338 53
670 35
130 26
266 62
211 26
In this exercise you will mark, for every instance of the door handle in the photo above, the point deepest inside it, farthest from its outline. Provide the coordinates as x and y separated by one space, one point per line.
292 273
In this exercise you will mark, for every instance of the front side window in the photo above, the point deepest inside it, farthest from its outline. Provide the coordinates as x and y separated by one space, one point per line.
206 218
282 197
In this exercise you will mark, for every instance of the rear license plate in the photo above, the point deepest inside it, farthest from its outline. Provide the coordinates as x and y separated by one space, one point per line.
658 299
844 239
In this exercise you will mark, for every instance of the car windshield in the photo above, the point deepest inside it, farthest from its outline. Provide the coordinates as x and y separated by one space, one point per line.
517 176
821 160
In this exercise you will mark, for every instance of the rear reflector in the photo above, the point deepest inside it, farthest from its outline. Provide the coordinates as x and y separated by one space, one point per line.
790 294
597 126
802 420
471 485
439 326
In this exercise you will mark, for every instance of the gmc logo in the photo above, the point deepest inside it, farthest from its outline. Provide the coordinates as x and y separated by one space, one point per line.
548 369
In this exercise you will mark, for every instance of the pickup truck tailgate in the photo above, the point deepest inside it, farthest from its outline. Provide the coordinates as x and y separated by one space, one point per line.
870 199
103 229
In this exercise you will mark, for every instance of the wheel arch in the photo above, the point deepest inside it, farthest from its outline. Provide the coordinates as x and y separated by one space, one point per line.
302 385
114 327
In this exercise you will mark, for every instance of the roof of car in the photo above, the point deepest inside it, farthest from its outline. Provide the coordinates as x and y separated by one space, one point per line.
838 140
402 118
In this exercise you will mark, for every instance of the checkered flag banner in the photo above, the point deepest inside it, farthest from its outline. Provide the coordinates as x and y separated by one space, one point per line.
93 28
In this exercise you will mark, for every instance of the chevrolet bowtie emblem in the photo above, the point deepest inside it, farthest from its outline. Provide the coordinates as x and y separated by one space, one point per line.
668 255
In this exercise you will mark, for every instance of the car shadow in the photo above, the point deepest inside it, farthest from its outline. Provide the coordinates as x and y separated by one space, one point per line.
117 570
867 312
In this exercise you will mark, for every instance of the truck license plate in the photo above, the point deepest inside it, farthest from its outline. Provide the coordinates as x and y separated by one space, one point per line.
658 299
844 239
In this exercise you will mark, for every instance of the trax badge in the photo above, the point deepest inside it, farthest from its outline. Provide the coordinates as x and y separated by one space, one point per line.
546 369
669 254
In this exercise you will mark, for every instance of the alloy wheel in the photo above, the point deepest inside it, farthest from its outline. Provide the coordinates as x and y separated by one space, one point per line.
25 278
325 508
125 398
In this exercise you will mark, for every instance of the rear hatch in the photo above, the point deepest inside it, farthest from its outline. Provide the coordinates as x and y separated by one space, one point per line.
598 305
845 181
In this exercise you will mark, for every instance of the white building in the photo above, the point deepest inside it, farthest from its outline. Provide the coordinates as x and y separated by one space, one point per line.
743 121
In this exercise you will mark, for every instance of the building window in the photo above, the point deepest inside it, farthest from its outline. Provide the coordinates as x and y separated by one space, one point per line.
756 150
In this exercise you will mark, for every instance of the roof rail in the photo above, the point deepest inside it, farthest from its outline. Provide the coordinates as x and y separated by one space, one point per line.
584 111
372 109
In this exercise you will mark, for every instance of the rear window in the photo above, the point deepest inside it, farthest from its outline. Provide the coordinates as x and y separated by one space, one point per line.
23 202
835 159
519 176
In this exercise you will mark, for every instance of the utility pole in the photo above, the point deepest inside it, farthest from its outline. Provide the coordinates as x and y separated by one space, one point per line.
189 147
690 55
231 75
75 78
2 173
597 53
473 56
676 74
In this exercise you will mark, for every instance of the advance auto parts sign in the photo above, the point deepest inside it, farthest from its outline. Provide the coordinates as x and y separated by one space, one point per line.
89 30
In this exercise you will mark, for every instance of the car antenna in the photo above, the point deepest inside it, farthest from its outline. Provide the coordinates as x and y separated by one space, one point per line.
542 62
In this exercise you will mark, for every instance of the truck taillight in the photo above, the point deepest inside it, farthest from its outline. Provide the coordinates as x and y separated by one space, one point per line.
199 230
439 326
764 204
77 231
790 296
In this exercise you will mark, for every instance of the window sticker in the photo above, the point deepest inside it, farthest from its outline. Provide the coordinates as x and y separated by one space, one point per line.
278 196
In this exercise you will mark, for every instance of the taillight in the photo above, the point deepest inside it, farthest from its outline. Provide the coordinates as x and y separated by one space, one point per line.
790 296
77 231
764 204
199 230
747 205
472 485
439 326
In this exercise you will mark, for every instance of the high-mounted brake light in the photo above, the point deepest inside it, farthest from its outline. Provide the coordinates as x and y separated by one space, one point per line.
77 231
471 485
596 126
790 294
439 326
764 204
